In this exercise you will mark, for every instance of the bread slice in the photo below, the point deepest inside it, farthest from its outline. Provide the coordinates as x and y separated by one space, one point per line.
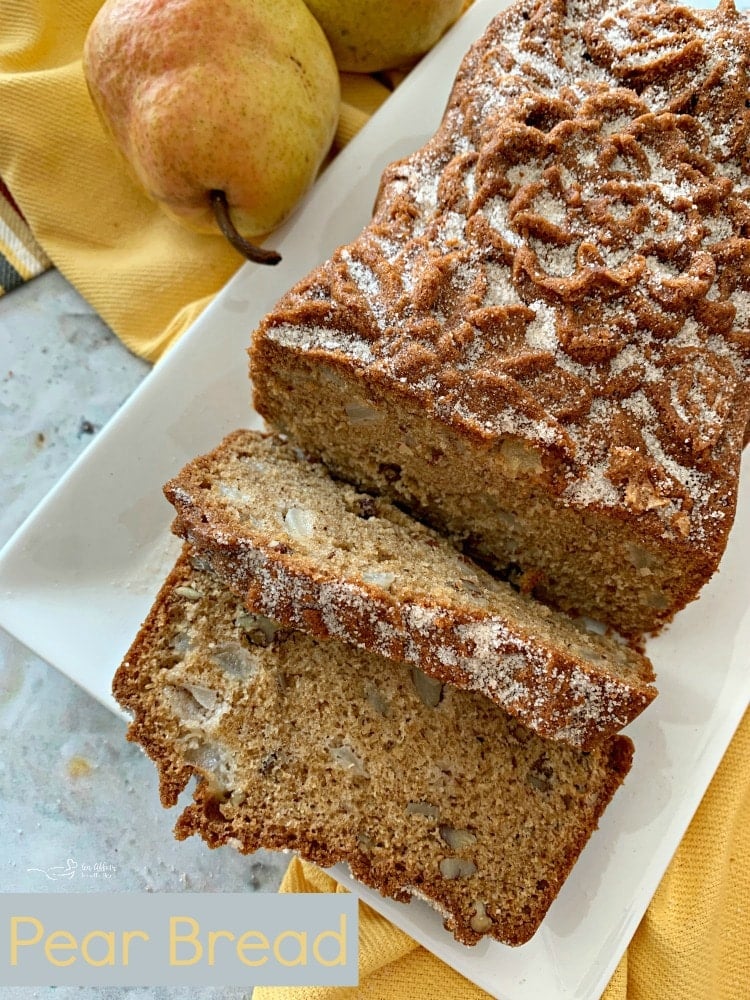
541 342
335 753
317 555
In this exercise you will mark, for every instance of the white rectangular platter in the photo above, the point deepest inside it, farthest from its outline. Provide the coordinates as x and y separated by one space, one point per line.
79 576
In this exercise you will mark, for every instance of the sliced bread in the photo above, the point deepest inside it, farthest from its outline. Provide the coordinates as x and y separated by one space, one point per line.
340 755
317 555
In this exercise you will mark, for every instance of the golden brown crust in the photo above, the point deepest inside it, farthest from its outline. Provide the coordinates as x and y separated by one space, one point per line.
331 752
565 265
558 679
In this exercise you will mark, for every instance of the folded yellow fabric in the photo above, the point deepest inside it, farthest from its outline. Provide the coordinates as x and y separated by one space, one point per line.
692 944
146 275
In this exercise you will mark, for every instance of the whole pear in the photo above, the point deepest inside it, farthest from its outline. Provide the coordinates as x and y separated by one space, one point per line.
224 106
370 35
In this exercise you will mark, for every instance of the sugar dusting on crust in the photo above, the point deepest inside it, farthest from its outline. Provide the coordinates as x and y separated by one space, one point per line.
563 262
571 701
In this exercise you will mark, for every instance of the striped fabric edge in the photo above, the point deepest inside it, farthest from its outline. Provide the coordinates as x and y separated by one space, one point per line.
21 257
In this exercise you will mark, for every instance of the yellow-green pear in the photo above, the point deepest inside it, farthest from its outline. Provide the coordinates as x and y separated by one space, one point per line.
221 107
370 35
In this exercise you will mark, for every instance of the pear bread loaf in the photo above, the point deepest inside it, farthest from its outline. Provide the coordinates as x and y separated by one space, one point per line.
335 753
319 556
541 342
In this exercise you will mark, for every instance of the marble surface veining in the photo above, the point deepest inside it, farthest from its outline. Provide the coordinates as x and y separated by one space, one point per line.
74 794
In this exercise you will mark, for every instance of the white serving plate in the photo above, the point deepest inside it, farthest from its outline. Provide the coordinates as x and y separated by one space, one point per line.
79 576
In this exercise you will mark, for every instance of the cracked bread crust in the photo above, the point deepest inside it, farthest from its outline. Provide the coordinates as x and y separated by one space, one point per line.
562 273
331 752
319 556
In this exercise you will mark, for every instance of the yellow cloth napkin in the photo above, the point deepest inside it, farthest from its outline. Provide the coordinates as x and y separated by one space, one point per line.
146 275
692 944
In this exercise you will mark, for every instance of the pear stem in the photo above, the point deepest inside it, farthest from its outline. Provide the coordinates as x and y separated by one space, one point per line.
255 253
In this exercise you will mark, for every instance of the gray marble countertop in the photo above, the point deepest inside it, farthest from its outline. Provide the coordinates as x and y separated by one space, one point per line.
70 784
